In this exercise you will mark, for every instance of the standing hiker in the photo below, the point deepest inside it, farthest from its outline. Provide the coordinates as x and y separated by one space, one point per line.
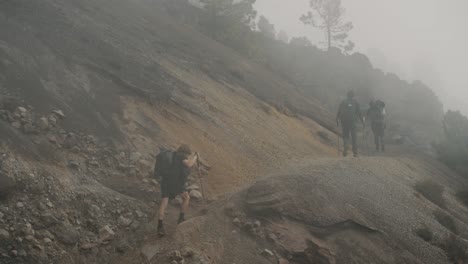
377 115
349 113
174 167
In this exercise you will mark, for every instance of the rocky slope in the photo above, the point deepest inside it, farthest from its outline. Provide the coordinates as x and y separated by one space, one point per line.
90 89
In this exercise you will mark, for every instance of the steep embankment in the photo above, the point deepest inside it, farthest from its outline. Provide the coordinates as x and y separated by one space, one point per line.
130 75
90 89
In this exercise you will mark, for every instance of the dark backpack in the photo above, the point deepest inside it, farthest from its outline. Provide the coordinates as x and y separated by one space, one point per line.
379 111
163 165
349 111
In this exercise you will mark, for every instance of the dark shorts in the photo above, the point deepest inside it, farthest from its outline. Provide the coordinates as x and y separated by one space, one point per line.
171 189
378 129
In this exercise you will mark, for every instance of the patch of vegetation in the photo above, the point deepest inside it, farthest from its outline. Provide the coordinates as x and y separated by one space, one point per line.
463 197
455 250
453 151
445 220
431 191
424 233
324 136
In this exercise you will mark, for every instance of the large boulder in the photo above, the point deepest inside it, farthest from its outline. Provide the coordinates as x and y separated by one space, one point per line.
361 205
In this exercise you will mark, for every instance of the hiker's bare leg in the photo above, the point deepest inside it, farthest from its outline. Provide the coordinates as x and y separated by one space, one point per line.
184 206
185 202
162 208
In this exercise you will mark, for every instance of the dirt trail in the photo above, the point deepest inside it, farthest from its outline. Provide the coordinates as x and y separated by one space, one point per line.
326 210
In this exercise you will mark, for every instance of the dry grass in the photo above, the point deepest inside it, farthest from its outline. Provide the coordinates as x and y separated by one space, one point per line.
431 191
463 197
424 233
445 220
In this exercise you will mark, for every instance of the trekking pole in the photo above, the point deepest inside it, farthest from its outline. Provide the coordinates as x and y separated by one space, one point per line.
201 184
338 139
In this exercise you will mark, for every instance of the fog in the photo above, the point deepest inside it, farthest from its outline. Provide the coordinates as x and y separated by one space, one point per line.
417 39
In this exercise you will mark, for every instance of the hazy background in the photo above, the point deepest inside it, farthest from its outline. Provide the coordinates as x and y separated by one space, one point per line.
417 39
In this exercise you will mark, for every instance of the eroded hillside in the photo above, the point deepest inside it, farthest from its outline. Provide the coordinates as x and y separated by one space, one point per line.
90 90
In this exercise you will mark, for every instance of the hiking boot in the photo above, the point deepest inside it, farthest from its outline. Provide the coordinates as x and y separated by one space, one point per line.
161 230
181 219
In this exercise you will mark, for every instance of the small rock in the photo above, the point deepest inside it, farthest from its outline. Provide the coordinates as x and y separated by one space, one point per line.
257 224
73 164
50 205
47 240
188 252
52 139
26 229
43 123
272 237
22 253
145 165
237 222
1 215
68 235
137 212
193 187
59 113
39 247
134 225
135 156
4 234
48 220
122 246
155 182
196 195
94 211
87 246
14 253
29 128
283 261
16 124
22 110
248 226
268 253
52 121
106 233
177 256
93 163
124 221
42 206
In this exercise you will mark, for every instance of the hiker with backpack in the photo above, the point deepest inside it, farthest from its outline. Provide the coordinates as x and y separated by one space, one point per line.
349 113
377 116
173 168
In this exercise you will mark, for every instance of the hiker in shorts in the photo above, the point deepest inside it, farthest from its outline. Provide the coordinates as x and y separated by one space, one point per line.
377 116
173 182
349 113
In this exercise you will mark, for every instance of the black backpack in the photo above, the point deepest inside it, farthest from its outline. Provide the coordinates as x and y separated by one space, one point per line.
163 165
379 114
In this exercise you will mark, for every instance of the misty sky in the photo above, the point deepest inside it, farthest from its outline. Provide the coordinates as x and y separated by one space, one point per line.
417 39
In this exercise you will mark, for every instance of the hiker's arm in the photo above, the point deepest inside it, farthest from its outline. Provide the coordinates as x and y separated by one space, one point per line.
189 162
338 116
358 111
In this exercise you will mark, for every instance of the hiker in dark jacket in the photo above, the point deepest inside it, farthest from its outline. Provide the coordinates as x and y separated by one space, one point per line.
349 113
377 116
173 184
